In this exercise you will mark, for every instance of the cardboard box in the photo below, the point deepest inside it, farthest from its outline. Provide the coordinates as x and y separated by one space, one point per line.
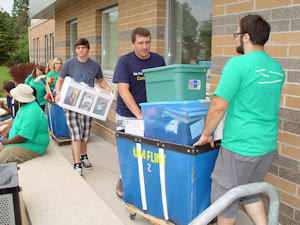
81 98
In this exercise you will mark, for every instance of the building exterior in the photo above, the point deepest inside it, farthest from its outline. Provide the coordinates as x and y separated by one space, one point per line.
187 31
41 40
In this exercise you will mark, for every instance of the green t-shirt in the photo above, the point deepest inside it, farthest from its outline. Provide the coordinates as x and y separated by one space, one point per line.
39 87
31 123
55 75
252 84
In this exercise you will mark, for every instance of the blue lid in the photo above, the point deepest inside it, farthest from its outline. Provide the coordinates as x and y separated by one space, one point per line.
188 109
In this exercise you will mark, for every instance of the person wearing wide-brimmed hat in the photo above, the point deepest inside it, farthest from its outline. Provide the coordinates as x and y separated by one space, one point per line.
28 137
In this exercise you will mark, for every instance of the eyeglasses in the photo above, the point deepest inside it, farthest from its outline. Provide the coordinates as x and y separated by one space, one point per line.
235 35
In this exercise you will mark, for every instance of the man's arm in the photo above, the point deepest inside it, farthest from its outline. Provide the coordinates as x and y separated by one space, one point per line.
15 140
129 100
215 114
104 85
58 85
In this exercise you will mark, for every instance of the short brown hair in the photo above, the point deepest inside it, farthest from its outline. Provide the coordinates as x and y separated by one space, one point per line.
257 28
142 31
82 41
8 85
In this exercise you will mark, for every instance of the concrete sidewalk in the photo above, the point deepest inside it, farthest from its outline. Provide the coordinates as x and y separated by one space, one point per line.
104 175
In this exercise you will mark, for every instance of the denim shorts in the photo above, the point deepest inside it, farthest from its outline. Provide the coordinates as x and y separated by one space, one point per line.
232 169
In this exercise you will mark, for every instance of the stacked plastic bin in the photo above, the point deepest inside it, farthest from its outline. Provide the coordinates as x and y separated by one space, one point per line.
162 174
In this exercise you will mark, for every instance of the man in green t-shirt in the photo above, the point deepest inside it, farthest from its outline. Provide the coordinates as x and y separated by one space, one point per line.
249 89
28 136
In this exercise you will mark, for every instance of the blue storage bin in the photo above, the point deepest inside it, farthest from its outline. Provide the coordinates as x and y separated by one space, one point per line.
180 122
166 180
56 120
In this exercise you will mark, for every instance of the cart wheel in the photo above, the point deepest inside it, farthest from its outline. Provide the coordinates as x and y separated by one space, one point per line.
132 216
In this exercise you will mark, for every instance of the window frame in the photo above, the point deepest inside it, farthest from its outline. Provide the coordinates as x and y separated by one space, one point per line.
167 45
72 42
51 46
46 49
38 50
106 73
34 49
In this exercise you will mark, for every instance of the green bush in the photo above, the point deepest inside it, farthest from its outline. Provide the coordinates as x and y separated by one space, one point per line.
4 76
21 54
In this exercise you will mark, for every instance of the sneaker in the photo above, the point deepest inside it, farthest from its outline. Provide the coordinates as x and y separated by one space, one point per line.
78 168
119 189
85 161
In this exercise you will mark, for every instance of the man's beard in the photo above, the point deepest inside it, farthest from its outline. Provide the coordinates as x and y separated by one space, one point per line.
240 48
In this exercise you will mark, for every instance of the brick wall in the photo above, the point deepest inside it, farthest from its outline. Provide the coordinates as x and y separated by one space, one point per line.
45 28
145 13
284 46
132 13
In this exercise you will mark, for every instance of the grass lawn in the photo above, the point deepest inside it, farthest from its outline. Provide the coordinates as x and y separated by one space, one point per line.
4 76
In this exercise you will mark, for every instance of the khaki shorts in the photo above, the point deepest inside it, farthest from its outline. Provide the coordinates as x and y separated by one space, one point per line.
15 153
232 169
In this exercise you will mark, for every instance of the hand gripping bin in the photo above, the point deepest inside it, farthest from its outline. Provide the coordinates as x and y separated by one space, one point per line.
166 180
56 120
177 82
9 195
180 122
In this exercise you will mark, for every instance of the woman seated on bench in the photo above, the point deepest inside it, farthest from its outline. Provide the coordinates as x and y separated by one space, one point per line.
28 137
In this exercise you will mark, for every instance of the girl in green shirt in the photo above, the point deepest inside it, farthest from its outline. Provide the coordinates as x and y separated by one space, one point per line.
56 68
38 86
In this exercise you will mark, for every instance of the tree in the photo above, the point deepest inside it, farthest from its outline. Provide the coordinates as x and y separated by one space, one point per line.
7 43
20 17
205 32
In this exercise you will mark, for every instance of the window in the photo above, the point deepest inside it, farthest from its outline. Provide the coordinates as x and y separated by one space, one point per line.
189 31
73 37
46 50
37 51
33 50
51 46
109 40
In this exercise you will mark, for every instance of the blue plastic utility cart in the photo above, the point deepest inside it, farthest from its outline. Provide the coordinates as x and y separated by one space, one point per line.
57 122
166 180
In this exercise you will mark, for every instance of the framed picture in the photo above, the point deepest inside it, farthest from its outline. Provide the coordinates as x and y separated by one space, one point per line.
101 106
72 96
87 101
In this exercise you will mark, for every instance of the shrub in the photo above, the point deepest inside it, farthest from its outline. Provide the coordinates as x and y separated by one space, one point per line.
9 64
21 71
21 54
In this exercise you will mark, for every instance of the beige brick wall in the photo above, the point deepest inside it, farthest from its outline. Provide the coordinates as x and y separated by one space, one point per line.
284 46
150 14
132 13
39 32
